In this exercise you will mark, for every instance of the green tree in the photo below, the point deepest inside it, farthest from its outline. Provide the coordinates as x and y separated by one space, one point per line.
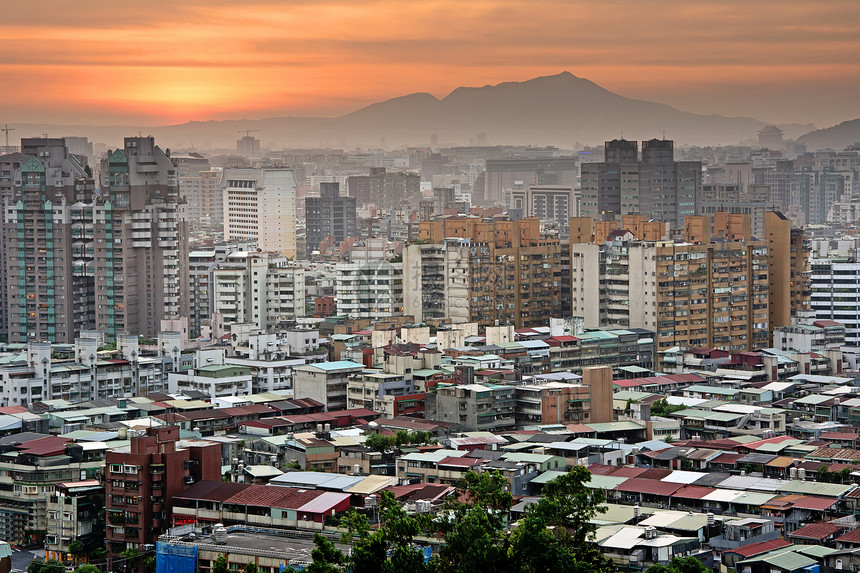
556 532
39 565
679 565
150 564
220 565
251 568
388 549
87 568
99 554
377 442
77 549
131 556
401 438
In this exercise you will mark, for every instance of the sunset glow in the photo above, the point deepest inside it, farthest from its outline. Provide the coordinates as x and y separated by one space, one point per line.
161 61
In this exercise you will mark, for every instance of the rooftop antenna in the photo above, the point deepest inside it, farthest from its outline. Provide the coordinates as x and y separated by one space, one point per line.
7 129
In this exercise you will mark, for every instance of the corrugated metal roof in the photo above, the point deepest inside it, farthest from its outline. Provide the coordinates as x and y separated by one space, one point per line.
649 486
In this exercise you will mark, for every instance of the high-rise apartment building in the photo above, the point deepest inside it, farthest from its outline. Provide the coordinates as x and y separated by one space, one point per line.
78 261
260 204
371 289
788 270
141 480
712 294
258 288
139 243
656 186
835 286
49 220
489 272
329 215
200 187
504 175
248 146
546 202
383 189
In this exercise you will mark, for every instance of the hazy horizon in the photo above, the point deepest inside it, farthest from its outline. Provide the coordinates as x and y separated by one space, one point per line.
164 63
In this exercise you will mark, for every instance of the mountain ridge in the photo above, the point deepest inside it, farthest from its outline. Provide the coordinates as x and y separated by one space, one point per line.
560 109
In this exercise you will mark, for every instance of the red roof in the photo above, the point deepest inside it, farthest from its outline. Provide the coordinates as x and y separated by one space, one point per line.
816 531
50 446
839 436
564 338
649 486
655 473
13 410
760 443
693 492
628 472
463 462
759 548
852 536
814 503
726 458
601 470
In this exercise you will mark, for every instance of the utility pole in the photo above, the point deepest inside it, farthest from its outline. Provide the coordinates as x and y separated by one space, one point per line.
7 129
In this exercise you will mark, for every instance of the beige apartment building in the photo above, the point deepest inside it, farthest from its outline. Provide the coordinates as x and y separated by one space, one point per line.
712 293
260 204
489 272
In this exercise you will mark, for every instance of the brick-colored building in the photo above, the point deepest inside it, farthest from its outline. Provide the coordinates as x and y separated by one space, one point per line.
141 481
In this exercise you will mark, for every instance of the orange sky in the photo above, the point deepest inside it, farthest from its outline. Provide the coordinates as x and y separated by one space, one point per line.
158 62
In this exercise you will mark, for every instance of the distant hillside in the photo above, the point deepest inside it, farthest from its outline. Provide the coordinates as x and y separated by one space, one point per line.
557 110
836 137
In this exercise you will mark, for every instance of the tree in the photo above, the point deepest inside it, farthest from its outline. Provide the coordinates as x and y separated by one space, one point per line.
39 565
99 554
679 565
387 549
131 555
556 532
220 565
377 442
87 568
251 568
77 549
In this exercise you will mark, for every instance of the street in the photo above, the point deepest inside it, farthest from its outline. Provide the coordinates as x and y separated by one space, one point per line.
22 557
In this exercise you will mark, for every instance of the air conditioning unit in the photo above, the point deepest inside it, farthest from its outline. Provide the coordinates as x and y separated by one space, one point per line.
16 493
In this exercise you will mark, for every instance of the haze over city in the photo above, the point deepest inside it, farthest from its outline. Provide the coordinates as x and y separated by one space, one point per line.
170 62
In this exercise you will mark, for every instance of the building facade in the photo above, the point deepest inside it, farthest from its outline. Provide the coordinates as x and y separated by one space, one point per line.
260 204
329 215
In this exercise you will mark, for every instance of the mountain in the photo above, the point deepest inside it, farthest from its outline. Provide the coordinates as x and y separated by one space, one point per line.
559 110
837 137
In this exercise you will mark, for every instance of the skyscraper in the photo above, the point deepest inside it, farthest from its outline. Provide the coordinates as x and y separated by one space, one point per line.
657 187
139 243
328 215
260 204
48 223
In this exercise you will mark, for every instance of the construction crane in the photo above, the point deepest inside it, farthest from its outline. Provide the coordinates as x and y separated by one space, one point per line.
7 129
248 132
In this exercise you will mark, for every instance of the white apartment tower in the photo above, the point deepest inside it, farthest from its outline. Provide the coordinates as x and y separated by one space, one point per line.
260 204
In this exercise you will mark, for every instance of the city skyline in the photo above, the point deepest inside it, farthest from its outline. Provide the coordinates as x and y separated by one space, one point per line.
159 64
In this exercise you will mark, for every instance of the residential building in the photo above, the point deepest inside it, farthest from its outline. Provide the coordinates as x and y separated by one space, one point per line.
815 337
260 204
74 513
200 186
143 478
656 186
212 376
503 175
140 241
248 146
371 289
262 289
492 272
325 382
788 270
382 188
712 294
30 476
49 291
329 215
